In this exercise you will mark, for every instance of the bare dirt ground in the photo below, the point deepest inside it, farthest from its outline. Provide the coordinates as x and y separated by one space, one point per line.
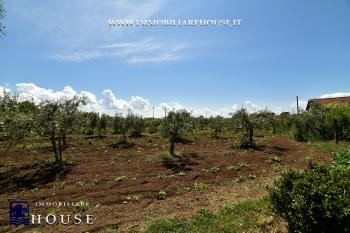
92 167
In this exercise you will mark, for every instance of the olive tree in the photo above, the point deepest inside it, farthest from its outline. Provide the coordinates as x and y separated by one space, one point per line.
102 124
247 123
173 126
338 116
56 119
16 118
121 125
136 123
217 125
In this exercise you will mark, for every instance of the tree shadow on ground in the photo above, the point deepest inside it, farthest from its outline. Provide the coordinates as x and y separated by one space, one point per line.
30 176
181 163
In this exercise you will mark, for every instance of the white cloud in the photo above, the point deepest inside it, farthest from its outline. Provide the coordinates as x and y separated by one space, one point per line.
4 89
140 103
109 103
165 57
333 95
144 51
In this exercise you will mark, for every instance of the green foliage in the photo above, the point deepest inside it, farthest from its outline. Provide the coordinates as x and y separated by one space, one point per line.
248 122
57 119
81 206
274 159
240 179
121 126
16 119
315 200
60 185
102 124
341 159
173 126
200 186
136 123
4 162
215 170
182 190
120 179
217 125
161 195
93 122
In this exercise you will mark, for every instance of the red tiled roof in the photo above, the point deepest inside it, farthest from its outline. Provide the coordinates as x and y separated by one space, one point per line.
325 101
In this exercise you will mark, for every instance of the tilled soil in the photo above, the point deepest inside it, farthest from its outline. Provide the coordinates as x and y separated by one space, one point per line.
92 166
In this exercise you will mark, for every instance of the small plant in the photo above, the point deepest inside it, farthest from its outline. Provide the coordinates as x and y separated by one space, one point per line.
252 177
274 159
182 190
276 168
164 155
161 195
120 179
214 170
58 186
34 190
181 174
240 179
231 168
200 186
94 181
79 184
132 198
54 211
81 206
230 152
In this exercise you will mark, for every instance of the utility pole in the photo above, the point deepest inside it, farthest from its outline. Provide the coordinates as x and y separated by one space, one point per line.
153 111
297 104
165 111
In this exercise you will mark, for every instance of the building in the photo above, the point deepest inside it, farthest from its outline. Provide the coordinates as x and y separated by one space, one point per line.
326 101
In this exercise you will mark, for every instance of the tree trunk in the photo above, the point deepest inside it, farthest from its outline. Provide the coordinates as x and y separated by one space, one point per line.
273 129
54 147
124 138
336 131
60 148
172 146
65 144
251 132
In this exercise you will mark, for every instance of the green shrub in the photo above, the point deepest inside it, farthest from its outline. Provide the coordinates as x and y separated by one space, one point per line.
341 159
315 200
161 195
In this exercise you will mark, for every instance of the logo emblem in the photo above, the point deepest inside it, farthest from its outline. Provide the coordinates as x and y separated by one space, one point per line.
19 213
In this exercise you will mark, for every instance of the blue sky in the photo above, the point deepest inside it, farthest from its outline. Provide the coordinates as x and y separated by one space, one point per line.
282 49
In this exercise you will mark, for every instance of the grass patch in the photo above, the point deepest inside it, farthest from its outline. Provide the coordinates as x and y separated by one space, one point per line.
246 216
200 186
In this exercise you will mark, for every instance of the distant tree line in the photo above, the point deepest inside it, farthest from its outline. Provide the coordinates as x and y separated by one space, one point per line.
57 120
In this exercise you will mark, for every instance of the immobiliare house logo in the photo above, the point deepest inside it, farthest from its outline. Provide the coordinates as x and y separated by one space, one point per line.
19 214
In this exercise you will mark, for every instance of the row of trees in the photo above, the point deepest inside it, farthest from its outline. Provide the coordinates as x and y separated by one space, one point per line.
55 120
